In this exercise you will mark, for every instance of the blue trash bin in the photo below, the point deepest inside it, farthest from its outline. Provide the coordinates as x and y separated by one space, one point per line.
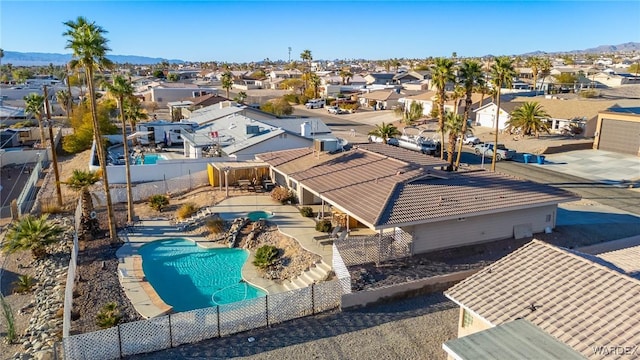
540 159
527 158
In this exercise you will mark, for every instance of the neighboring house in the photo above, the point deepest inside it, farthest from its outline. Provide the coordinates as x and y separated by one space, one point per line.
168 92
380 100
428 101
609 79
405 77
285 74
562 113
176 107
380 78
618 132
486 116
243 137
406 192
584 301
211 113
9 138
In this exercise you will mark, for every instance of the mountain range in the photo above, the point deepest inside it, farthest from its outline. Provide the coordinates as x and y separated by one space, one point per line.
43 59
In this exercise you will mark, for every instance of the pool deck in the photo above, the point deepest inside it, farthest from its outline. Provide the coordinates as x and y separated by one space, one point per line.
141 293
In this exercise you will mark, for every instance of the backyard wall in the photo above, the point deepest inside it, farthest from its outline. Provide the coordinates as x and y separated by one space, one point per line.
404 290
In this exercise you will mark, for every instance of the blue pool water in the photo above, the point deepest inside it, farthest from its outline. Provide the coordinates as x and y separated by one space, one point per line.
189 277
258 215
149 159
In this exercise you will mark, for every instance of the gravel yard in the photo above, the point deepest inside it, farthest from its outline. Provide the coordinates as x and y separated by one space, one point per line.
410 329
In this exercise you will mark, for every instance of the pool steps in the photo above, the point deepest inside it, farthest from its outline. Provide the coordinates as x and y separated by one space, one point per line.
308 277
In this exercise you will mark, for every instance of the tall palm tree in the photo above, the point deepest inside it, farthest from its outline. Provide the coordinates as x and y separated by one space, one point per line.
453 125
64 98
32 233
534 63
89 48
345 75
471 77
545 70
227 82
134 112
441 75
81 181
529 118
34 104
502 73
456 95
305 55
121 89
314 80
385 131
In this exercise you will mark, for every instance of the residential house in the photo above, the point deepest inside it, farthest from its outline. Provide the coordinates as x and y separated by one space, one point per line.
406 192
428 101
379 78
242 137
584 301
609 79
165 92
285 74
209 114
618 132
380 100
564 113
411 76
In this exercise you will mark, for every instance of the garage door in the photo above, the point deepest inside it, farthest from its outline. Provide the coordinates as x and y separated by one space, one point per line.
620 136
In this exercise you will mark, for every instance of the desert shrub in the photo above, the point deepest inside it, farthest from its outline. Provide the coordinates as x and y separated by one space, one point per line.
51 208
306 211
324 226
24 284
281 194
292 98
215 226
108 316
186 211
588 93
10 326
158 202
265 256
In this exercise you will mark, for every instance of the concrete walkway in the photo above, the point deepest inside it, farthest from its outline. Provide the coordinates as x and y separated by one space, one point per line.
141 293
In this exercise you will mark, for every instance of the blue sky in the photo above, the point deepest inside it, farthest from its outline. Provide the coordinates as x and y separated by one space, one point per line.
238 31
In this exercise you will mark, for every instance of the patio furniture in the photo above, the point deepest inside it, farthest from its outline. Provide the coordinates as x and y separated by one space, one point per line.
332 235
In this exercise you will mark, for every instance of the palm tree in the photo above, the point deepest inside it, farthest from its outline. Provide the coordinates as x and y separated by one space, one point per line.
345 75
385 131
529 118
306 56
457 94
121 89
64 98
81 181
242 96
89 48
453 125
133 111
471 77
314 80
441 75
534 62
34 104
32 233
227 82
545 70
502 73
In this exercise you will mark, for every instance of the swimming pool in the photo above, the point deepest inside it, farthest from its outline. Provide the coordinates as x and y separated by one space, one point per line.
149 159
258 215
189 277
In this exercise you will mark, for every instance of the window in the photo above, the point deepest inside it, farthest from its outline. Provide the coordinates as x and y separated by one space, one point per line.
467 318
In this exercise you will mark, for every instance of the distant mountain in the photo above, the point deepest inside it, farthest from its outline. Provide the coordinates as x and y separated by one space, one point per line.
41 59
608 49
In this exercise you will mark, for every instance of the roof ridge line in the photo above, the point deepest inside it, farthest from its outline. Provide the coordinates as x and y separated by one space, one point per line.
572 253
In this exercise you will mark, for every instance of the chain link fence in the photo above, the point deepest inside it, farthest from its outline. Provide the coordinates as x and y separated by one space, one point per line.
192 326
174 185
341 270
356 250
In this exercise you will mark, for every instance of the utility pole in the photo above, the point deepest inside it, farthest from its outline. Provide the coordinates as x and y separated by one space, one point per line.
289 53
54 156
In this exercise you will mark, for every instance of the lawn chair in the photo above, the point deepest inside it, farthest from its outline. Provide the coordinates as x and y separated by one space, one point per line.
342 236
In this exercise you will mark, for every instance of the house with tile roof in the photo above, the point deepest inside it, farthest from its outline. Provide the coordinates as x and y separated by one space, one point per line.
389 189
380 100
428 101
584 301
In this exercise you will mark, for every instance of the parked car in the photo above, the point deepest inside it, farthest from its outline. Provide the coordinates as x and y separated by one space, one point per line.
501 154
335 110
315 104
469 139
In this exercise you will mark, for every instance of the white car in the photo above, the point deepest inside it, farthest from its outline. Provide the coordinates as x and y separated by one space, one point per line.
470 140
335 110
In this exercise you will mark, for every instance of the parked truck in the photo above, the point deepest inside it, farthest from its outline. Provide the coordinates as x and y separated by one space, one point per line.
315 104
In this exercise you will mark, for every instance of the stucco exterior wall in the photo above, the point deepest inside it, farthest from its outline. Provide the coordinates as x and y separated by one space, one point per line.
470 230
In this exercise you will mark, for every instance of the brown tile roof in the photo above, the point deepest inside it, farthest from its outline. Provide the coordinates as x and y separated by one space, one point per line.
627 259
564 109
577 298
382 95
464 194
399 184
207 100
